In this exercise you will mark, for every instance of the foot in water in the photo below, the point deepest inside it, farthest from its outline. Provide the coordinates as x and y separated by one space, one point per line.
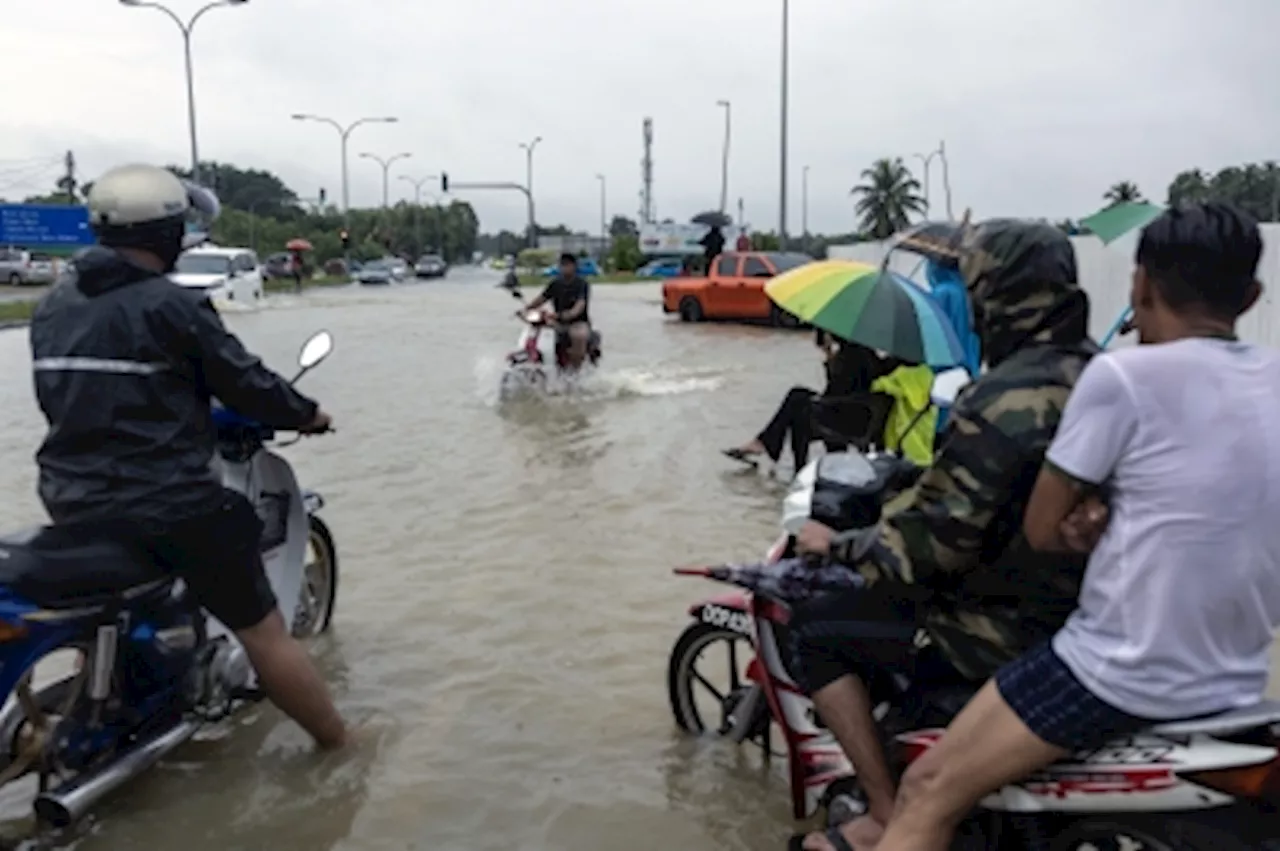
751 453
861 834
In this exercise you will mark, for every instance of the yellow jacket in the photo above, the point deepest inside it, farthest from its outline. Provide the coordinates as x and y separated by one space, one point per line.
909 386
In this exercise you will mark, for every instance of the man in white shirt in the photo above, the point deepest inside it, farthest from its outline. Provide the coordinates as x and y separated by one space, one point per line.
1181 597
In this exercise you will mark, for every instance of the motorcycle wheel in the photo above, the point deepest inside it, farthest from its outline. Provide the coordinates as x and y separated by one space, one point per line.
1144 834
319 582
684 679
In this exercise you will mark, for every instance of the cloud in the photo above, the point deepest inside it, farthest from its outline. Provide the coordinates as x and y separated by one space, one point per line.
1042 105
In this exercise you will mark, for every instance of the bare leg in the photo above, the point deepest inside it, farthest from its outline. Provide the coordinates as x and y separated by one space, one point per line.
845 707
986 746
292 682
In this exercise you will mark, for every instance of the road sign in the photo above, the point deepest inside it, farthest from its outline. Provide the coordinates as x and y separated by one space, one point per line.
44 224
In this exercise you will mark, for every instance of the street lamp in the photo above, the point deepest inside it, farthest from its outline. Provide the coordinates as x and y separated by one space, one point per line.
186 28
804 205
417 201
724 160
345 133
604 230
926 159
528 185
782 197
386 167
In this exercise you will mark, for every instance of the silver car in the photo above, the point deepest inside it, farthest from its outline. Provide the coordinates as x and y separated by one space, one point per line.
19 267
376 273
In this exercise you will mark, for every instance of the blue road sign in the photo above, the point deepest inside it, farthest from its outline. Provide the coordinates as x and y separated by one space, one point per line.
44 224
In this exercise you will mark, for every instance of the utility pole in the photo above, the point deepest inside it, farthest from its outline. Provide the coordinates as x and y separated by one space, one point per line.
528 182
646 175
782 189
724 159
946 177
604 228
68 182
804 205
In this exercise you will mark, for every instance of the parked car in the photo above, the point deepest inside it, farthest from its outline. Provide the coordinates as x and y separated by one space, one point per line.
19 267
278 265
431 266
399 268
226 274
587 268
668 268
734 289
375 273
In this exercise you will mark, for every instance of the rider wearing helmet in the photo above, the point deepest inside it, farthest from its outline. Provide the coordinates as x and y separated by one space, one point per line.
954 546
127 364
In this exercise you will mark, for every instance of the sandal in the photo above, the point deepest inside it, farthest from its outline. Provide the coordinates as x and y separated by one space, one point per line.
831 834
737 453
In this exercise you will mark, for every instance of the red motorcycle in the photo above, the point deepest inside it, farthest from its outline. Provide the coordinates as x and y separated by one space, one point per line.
1211 784
526 371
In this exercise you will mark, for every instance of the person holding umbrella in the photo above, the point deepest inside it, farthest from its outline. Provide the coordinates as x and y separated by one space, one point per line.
712 241
295 247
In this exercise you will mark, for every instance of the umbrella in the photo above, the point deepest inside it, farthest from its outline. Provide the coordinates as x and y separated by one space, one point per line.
936 241
298 244
1113 222
792 580
712 219
876 308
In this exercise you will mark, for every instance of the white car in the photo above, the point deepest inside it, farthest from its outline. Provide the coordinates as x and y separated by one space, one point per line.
399 268
229 275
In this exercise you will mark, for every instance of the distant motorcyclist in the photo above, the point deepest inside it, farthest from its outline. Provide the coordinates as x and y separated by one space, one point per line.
951 555
570 297
126 366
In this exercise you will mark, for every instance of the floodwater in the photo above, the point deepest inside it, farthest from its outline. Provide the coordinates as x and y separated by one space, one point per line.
506 606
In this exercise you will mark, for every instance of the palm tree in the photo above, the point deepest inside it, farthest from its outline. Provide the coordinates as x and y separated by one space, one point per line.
1122 193
887 198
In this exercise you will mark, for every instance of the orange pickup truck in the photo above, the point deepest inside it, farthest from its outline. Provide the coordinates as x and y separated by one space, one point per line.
734 288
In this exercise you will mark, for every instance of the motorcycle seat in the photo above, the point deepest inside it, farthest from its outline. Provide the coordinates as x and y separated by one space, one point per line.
55 571
1263 714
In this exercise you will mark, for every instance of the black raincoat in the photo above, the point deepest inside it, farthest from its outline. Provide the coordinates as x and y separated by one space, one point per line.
126 365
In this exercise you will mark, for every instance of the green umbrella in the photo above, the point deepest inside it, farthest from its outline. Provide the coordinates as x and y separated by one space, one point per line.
1111 223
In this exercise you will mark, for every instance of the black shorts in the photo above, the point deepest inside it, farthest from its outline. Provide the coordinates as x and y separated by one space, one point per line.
1042 691
218 556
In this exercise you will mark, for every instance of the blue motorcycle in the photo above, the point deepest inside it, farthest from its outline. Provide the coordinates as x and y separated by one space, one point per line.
143 666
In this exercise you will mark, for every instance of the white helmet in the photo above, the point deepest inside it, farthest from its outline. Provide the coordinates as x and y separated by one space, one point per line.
135 203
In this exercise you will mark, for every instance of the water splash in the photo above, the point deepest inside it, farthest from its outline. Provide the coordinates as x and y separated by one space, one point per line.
602 383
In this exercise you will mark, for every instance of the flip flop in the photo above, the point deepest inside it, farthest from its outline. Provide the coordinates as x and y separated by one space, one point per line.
742 456
831 834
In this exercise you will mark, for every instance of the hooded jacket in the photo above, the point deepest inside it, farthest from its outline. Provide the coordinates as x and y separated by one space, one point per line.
956 538
126 365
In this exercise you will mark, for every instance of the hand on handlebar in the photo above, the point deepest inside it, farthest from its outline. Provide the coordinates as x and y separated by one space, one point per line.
319 425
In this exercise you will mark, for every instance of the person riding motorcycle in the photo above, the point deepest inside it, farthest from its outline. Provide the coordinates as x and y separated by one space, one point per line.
127 364
951 556
570 297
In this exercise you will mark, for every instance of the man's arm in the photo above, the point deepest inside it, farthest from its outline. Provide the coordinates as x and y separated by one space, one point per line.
937 529
1097 426
239 379
543 297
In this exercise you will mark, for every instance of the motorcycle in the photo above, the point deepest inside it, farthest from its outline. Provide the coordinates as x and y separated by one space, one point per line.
527 373
151 668
1209 783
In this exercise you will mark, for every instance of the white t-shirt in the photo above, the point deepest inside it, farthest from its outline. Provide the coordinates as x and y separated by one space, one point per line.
1181 597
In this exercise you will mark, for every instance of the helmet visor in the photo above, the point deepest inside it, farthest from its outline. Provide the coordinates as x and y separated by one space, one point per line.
202 210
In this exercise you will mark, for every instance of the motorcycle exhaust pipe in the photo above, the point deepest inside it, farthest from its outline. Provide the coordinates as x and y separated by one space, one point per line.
70 802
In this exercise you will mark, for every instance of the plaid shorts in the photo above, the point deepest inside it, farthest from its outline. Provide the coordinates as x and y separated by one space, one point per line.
1056 706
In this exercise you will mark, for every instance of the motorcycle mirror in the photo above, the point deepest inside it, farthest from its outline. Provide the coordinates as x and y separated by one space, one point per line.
316 349
947 386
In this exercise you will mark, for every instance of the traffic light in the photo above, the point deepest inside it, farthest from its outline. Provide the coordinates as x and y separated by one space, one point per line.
322 196
346 240
444 181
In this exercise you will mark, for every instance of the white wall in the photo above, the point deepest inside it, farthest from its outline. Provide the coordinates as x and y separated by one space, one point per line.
1105 273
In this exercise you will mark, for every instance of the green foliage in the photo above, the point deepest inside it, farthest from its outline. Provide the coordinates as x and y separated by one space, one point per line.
766 242
887 198
624 254
622 226
535 258
1254 187
1123 192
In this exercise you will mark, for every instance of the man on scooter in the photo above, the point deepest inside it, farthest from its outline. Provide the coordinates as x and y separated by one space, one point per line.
126 366
570 297
951 556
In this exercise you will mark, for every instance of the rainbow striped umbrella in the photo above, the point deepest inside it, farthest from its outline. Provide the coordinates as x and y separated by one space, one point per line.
878 309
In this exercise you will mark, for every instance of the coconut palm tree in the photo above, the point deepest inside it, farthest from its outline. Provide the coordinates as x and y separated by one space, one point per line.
888 197
1122 192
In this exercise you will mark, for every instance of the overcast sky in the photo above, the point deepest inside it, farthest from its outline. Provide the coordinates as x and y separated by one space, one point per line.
1042 104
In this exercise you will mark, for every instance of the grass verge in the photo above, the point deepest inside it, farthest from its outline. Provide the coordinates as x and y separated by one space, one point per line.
285 285
16 311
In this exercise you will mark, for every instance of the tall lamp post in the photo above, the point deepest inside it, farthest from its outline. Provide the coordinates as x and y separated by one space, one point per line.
782 199
417 201
345 133
941 153
604 228
528 148
804 205
724 159
386 164
186 28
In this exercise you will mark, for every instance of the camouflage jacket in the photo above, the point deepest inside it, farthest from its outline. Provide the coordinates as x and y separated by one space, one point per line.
956 537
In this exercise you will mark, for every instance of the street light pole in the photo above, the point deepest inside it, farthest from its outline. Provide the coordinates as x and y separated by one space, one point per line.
386 167
804 205
724 160
528 185
941 153
186 29
417 203
782 189
926 160
345 134
604 230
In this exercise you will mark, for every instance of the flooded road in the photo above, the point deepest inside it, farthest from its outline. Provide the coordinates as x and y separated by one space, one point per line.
506 604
